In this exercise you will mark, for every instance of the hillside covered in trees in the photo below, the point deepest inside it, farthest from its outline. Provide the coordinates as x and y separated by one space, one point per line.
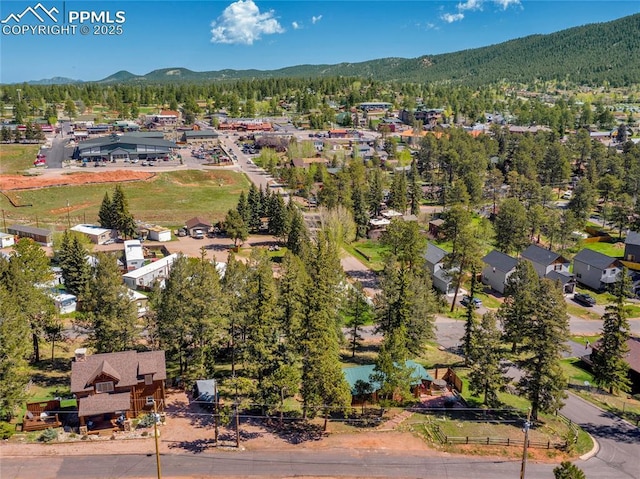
590 54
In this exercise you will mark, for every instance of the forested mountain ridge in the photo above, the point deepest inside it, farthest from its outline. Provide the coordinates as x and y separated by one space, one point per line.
591 54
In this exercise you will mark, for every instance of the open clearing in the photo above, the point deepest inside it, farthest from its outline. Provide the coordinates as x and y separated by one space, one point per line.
165 198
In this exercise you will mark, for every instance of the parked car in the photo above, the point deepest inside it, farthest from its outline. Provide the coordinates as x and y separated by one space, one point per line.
466 299
567 195
198 234
584 299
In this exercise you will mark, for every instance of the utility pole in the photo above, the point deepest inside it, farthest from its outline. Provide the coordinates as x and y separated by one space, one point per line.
525 429
155 435
69 226
4 222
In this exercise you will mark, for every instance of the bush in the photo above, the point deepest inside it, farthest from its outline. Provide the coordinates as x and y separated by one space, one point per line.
48 435
146 420
6 430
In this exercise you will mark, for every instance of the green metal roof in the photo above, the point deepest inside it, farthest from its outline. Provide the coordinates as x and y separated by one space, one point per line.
363 373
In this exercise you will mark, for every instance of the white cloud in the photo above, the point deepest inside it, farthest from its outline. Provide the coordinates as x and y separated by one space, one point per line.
315 19
471 5
452 17
506 3
296 25
243 23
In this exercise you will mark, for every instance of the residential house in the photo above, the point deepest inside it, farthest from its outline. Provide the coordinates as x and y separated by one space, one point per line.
112 385
133 254
595 270
65 303
632 247
6 240
147 275
420 379
498 267
197 223
441 277
39 235
632 358
96 234
544 260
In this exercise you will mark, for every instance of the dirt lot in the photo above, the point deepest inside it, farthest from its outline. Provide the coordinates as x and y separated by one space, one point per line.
61 178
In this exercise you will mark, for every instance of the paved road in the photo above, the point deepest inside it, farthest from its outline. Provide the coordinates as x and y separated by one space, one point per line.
355 269
619 454
363 464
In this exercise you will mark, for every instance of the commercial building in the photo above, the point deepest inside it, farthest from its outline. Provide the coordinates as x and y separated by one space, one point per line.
124 148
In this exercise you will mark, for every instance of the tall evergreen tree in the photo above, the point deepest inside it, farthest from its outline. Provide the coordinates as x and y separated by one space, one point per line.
376 193
278 218
487 375
109 314
518 308
29 268
511 226
398 195
358 313
323 384
255 208
76 270
297 236
243 208
610 369
124 221
14 350
106 216
415 188
261 334
543 381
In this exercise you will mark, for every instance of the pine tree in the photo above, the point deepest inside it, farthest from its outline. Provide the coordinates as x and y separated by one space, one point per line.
14 350
487 375
235 227
297 236
518 308
123 219
261 334
543 381
406 301
292 289
566 470
278 218
610 369
358 313
375 195
415 189
470 324
323 383
76 270
255 208
109 314
243 208
398 194
28 268
106 215
360 210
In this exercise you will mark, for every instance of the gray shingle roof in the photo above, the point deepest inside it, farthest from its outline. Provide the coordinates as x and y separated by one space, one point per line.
594 258
563 276
536 254
434 254
125 140
500 261
633 238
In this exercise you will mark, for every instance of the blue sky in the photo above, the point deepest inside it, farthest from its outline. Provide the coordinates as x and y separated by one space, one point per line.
243 34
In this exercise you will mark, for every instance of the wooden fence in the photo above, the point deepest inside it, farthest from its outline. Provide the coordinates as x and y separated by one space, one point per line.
493 441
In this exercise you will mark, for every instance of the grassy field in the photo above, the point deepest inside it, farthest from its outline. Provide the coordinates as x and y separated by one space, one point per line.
14 159
373 250
169 199
615 250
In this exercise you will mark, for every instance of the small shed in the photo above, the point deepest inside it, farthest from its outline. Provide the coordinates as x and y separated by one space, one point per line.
205 392
96 234
159 233
6 240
